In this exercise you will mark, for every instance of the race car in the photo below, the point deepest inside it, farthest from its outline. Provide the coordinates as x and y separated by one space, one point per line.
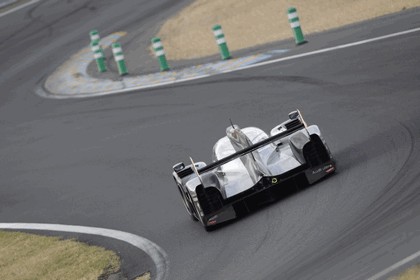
251 168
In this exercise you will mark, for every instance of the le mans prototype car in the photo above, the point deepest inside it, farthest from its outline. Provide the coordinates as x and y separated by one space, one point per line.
249 167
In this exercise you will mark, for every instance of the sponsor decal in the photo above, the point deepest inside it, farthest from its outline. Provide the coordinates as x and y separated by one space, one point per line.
316 171
327 168
212 221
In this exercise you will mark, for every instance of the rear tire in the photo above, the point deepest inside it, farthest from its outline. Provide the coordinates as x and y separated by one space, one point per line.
188 205
194 213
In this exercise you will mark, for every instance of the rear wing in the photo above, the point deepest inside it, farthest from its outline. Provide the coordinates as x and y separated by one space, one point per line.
292 126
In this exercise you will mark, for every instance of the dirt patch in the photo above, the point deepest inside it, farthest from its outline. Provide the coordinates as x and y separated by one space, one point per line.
145 276
248 23
411 274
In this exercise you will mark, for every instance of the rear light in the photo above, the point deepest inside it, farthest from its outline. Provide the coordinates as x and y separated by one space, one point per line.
329 170
210 223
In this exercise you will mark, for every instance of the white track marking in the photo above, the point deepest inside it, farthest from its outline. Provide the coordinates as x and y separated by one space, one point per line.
19 7
156 253
362 42
395 266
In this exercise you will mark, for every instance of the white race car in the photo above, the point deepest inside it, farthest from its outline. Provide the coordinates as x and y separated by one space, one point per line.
251 168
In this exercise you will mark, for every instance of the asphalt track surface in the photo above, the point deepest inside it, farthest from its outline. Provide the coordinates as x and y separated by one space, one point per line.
106 162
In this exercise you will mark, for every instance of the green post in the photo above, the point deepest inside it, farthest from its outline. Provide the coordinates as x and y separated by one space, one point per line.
220 40
94 37
119 59
160 54
99 57
295 24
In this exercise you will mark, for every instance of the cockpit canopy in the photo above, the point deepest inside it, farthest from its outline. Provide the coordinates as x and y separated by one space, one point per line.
224 148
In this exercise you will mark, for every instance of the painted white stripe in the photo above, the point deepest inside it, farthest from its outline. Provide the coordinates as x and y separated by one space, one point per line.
97 55
95 48
395 266
159 53
117 50
18 8
221 41
344 46
156 253
218 32
295 24
157 45
94 37
292 15
119 57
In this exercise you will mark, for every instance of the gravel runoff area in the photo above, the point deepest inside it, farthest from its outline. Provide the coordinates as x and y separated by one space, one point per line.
249 23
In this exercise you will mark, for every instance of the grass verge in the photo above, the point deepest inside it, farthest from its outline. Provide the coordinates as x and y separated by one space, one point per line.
248 23
29 256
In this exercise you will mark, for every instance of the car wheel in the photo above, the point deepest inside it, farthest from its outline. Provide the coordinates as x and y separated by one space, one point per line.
188 206
194 212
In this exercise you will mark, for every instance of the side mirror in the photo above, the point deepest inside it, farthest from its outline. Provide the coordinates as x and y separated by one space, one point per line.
178 167
293 115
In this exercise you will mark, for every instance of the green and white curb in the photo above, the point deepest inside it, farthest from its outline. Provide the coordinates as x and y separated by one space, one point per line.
221 42
98 54
72 81
95 38
119 59
160 54
71 78
295 25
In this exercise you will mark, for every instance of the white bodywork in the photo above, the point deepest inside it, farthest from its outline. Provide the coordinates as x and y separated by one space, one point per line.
277 159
